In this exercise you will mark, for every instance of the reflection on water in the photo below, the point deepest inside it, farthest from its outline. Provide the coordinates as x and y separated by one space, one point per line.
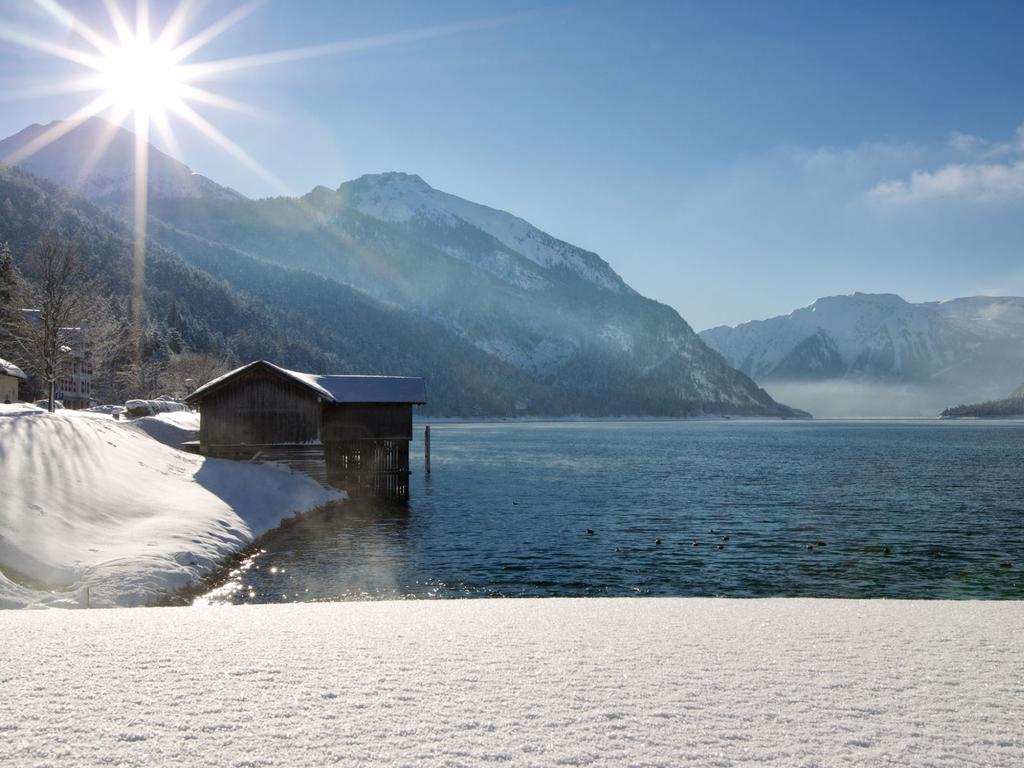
740 508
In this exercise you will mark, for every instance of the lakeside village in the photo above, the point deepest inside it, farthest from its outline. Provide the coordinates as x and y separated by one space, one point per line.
124 504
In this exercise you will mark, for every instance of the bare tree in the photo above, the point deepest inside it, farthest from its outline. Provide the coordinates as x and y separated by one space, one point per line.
60 298
141 379
187 371
110 345
8 298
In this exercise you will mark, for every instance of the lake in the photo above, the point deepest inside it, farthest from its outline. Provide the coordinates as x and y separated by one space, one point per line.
741 508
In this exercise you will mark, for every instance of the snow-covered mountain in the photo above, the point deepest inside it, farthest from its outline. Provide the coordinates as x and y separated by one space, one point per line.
97 159
556 312
964 348
402 197
577 337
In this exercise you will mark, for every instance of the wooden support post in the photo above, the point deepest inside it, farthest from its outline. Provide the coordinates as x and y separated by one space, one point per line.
426 448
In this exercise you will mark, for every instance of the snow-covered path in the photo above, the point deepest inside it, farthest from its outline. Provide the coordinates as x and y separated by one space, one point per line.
670 682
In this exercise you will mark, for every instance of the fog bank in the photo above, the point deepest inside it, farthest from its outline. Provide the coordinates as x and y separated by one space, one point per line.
839 398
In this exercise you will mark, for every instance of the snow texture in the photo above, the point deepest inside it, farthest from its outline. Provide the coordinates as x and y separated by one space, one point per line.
343 389
10 369
153 407
90 502
999 317
599 682
171 429
400 197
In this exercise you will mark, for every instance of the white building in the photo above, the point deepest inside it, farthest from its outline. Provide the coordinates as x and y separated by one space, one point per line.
73 386
74 382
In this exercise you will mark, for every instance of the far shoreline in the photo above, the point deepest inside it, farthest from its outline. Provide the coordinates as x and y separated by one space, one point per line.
421 421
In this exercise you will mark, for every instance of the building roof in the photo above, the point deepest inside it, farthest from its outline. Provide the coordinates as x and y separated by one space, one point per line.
10 369
335 388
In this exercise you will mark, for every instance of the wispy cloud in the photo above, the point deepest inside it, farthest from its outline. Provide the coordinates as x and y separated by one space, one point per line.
991 172
896 217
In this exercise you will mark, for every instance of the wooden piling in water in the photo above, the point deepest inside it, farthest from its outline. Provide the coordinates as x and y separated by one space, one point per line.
426 448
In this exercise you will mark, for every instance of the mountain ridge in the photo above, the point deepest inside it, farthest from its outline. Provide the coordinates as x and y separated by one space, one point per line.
102 176
553 312
969 348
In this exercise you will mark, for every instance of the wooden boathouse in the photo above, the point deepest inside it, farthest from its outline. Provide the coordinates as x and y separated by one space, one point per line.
352 432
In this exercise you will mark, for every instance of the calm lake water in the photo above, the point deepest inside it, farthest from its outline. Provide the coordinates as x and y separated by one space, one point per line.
742 508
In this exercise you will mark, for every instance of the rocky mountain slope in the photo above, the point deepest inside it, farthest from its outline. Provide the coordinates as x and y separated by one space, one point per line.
562 332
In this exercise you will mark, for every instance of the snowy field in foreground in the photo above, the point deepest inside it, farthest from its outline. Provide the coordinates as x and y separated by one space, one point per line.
668 682
87 501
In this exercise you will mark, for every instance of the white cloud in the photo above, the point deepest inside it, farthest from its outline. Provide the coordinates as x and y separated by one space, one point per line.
778 229
992 172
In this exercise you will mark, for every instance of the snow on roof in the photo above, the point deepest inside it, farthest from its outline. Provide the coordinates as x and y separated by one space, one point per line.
10 369
340 389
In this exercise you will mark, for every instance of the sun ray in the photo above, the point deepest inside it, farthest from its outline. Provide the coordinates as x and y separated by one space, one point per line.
76 25
62 128
119 22
213 134
191 93
193 44
7 32
106 136
175 24
163 127
141 201
203 70
71 85
142 22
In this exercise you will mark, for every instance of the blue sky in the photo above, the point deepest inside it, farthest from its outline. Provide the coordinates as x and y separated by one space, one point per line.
732 159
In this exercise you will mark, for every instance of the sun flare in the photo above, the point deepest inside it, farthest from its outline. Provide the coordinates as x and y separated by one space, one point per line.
141 78
146 77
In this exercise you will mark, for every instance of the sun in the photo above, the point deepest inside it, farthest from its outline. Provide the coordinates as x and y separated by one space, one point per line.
154 78
141 78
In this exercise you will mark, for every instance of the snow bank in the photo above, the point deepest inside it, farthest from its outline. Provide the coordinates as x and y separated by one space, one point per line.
171 429
152 407
645 682
108 409
88 501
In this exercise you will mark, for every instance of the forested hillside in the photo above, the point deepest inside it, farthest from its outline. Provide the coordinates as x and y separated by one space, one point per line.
1009 406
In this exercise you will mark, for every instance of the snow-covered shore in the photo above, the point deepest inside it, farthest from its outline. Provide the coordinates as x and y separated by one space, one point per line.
90 502
655 682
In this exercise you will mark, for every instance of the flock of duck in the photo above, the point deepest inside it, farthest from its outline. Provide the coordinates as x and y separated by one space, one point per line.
724 539
885 550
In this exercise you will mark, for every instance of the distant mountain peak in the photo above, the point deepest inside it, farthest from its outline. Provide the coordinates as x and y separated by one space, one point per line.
388 178
399 197
971 344
880 300
96 159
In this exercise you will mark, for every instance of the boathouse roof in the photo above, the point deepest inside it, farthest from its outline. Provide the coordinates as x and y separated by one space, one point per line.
334 388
